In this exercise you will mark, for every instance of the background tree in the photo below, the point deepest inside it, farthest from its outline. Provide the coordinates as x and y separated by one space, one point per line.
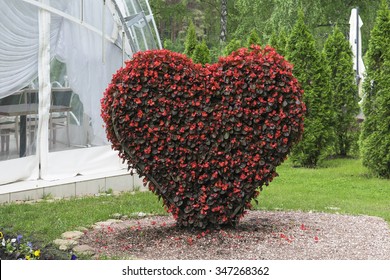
224 18
191 40
201 53
232 46
376 149
278 41
273 41
253 38
374 146
344 91
312 71
173 17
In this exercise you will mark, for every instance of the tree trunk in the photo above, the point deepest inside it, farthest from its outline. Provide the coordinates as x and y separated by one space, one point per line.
224 13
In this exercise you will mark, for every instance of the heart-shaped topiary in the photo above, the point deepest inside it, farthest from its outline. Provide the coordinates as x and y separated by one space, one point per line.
205 138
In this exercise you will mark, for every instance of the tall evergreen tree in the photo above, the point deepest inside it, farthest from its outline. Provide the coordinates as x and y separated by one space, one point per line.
278 41
344 91
376 149
201 53
282 42
273 40
253 38
233 45
191 40
313 73
378 44
374 139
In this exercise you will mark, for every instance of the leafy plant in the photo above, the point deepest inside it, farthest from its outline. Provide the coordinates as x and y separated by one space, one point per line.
14 248
205 138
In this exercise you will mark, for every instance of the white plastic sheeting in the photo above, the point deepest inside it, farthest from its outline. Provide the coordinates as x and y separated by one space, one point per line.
92 39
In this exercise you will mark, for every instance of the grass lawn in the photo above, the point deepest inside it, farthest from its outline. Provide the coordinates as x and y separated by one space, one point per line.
341 185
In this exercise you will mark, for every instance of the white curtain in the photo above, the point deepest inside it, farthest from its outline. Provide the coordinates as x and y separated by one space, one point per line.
90 64
18 44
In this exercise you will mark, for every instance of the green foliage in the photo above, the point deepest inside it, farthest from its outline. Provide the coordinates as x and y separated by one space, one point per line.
191 40
375 136
344 91
272 15
340 185
216 53
376 145
313 73
267 16
274 40
253 38
378 45
282 42
278 41
169 45
201 53
232 46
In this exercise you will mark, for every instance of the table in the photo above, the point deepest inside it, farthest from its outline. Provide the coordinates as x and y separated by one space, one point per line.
22 111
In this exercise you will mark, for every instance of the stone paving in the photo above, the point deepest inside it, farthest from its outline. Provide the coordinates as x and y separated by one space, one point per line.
69 240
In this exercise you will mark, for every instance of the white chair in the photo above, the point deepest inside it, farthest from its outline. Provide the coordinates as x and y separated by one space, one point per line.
9 125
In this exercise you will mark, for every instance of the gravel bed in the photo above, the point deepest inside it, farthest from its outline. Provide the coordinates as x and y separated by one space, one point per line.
260 235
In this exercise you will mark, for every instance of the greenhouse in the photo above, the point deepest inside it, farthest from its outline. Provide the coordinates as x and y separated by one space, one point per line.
56 59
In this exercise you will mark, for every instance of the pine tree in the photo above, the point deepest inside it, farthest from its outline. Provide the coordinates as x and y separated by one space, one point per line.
253 38
313 73
378 44
278 41
232 46
344 91
376 150
201 53
274 40
282 42
191 40
374 139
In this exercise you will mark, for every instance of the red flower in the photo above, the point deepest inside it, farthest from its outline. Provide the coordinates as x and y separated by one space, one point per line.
210 136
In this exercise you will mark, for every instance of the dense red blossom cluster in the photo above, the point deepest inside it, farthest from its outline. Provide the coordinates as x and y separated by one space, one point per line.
205 138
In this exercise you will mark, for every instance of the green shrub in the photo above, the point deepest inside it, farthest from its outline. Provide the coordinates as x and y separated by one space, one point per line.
232 46
313 73
253 38
344 92
191 40
201 53
374 139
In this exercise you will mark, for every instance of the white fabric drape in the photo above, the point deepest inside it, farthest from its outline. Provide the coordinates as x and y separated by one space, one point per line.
44 20
74 36
81 50
19 45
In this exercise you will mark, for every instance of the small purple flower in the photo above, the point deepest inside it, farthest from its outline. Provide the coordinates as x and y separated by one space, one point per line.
18 238
29 244
73 257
